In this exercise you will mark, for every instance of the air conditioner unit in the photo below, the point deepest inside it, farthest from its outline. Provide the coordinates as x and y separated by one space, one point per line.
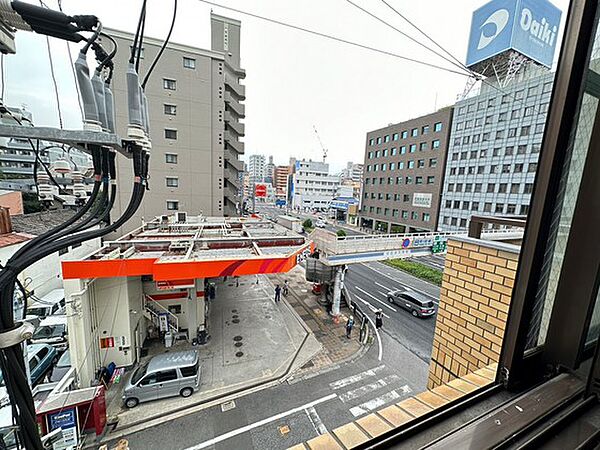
181 217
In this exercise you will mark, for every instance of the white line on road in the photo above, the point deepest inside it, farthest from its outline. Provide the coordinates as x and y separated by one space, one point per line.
375 298
371 307
260 423
363 390
378 401
433 297
355 378
316 421
389 289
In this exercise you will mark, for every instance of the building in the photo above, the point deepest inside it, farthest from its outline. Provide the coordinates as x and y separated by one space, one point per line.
404 170
352 172
269 171
494 149
311 185
256 168
194 100
280 181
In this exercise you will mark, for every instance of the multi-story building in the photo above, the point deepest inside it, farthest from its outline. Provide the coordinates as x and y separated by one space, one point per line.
311 185
280 180
494 148
353 172
256 168
403 177
194 101
269 171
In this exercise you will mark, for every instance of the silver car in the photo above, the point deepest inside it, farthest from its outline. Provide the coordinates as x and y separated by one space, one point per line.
417 304
166 375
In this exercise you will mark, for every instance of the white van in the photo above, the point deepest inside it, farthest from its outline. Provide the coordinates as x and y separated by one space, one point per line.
50 304
52 331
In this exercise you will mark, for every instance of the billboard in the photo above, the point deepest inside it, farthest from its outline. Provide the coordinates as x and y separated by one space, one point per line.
422 200
527 26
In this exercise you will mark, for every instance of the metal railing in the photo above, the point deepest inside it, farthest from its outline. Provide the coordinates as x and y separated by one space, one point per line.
155 309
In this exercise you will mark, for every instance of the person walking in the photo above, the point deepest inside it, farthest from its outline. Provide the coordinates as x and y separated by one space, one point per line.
285 288
379 319
349 325
277 294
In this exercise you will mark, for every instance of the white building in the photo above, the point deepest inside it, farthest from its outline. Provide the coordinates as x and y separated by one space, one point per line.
353 172
270 171
311 186
256 168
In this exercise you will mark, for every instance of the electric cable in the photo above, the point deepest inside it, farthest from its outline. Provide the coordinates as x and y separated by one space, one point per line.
137 34
54 82
140 43
334 38
374 16
162 49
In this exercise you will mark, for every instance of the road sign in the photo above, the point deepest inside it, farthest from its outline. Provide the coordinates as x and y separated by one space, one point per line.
260 190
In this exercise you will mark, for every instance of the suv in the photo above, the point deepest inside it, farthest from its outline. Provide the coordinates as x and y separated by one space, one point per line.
417 304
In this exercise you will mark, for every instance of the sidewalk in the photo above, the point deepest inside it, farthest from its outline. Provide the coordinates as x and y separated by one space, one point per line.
337 348
253 342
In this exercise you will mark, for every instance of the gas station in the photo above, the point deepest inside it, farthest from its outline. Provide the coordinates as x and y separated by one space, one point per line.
156 281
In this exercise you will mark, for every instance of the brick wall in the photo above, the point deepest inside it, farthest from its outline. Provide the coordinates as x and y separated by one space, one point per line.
475 296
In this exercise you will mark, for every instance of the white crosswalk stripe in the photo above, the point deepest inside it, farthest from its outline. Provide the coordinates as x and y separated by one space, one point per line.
377 402
364 390
355 378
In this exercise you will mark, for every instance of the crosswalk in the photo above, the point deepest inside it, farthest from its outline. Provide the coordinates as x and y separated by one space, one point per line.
369 390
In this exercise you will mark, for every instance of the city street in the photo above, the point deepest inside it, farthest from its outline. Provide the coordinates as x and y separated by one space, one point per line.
284 415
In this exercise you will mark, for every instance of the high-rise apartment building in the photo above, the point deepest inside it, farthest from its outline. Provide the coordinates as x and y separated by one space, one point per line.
353 172
194 101
256 168
280 181
311 186
270 171
403 176
494 148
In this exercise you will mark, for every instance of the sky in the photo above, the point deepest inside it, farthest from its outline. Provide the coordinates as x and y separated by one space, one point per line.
294 80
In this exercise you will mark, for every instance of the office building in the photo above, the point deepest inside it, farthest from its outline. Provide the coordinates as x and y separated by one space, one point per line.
194 100
280 181
256 168
352 172
311 185
269 171
403 177
494 148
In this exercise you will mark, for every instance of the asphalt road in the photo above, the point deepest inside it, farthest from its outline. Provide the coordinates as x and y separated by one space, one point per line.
287 414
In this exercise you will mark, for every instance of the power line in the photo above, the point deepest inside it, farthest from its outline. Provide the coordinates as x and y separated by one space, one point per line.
374 16
334 38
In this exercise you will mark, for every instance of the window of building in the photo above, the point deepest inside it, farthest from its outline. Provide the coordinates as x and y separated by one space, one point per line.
532 167
370 155
528 189
423 146
528 111
496 151
483 153
189 63
435 144
432 162
386 138
487 207
519 94
380 196
493 168
379 140
463 223
468 124
468 187
383 167
411 164
485 137
377 154
511 208
455 156
518 168
437 126
390 180
392 166
381 180
476 138
169 84
509 150
471 170
456 204
413 148
385 152
404 134
414 132
425 129
502 188
505 168
393 151
514 188
453 171
470 107
401 165
453 221
451 187
499 208
171 158
502 117
172 205
369 168
512 132
477 187
170 133
414 215
371 141
500 134
378 210
475 206
466 139
371 209
525 130
491 102
466 205
456 141
491 187
461 170
473 154
375 167
489 120
388 196
170 110
409 180
406 198
172 182
404 214
521 149
524 210
395 137
459 187
539 128
535 148
448 203
463 155
394 213
430 179
515 114
419 180
426 217
505 99
547 87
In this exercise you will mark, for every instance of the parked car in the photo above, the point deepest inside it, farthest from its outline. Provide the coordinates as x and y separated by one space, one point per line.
61 368
41 357
53 331
418 305
165 375
49 304
320 224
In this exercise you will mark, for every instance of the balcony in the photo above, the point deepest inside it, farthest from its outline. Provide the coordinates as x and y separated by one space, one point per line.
237 127
238 89
233 143
232 176
230 192
235 105
232 160
237 70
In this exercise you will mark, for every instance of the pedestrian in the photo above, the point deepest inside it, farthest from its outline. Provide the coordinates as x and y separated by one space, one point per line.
285 288
349 325
379 319
277 294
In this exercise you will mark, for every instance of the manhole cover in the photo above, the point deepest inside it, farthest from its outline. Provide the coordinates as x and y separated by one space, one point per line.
238 344
227 406
239 354
235 316
236 320
237 338
234 311
284 430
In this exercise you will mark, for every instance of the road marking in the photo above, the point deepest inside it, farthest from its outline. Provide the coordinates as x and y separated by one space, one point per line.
260 423
354 378
389 289
433 297
316 421
378 401
371 307
374 328
375 298
363 390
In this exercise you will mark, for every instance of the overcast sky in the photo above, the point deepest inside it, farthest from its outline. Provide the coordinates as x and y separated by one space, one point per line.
294 80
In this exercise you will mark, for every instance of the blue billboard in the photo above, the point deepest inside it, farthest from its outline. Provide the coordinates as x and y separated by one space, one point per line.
527 26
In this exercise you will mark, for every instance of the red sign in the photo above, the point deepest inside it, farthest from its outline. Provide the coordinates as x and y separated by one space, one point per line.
260 190
107 342
174 284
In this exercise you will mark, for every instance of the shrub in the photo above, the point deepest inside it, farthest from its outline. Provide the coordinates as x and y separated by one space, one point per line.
340 233
418 270
307 224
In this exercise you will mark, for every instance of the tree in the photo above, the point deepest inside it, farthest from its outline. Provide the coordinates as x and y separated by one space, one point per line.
340 233
307 224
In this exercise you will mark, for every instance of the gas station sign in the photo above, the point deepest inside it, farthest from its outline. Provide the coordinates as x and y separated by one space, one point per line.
260 190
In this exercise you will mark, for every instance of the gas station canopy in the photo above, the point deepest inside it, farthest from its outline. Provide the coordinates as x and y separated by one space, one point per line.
184 247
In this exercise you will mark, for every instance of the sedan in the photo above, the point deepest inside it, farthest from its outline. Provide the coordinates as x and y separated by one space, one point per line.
417 304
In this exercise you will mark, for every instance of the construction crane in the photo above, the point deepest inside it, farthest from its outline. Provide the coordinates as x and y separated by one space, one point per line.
321 143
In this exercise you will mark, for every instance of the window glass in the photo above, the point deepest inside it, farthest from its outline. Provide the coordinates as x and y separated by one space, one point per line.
169 84
189 63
